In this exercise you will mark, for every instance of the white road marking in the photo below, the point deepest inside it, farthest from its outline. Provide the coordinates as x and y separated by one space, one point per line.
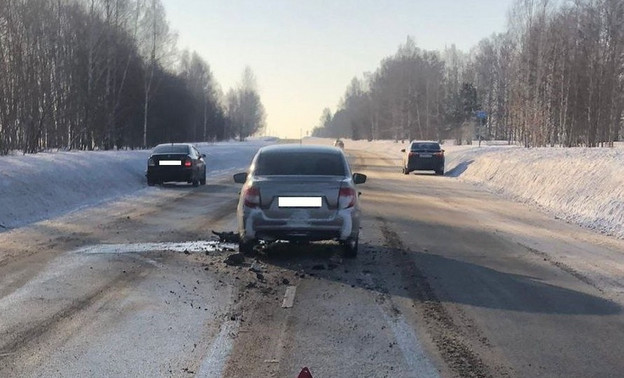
289 297
213 364
406 339
194 246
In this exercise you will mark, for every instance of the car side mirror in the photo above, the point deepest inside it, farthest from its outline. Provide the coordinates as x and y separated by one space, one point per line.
359 178
402 149
240 178
203 155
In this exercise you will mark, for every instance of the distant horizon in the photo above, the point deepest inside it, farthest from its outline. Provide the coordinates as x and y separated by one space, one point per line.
304 64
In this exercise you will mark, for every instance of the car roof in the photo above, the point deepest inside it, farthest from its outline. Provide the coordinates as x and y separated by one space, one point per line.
300 148
174 144
425 141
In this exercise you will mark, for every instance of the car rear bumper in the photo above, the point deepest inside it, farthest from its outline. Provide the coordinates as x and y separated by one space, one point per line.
425 164
168 174
253 224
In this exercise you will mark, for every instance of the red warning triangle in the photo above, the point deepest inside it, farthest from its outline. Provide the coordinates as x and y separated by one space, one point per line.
305 373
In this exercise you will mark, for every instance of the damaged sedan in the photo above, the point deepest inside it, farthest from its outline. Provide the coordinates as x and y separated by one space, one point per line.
299 193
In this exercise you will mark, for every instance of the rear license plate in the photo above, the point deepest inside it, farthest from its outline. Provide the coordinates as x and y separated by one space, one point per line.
170 162
299 201
425 155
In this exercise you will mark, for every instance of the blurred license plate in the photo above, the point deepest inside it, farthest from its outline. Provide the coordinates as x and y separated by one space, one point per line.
299 202
170 162
425 155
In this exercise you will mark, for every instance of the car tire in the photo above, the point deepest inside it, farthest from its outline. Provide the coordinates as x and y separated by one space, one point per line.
150 182
350 247
405 171
247 247
195 182
440 173
202 181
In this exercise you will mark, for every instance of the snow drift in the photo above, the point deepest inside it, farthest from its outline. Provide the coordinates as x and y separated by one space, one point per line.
44 185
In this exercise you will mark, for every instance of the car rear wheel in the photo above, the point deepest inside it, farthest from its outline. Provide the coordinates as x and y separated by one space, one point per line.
350 247
247 247
440 172
202 181
150 182
405 171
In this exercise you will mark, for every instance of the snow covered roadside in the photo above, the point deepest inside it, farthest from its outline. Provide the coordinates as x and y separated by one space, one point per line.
580 185
45 185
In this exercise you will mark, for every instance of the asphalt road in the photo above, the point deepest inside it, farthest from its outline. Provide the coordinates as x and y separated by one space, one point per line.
450 281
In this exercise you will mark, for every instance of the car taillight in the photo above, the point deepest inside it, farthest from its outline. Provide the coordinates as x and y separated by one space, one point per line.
346 198
252 197
188 163
413 154
441 153
151 162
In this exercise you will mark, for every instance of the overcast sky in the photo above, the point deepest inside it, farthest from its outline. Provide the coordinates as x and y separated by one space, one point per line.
304 53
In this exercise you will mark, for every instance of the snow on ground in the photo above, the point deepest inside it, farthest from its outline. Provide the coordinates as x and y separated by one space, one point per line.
44 185
581 185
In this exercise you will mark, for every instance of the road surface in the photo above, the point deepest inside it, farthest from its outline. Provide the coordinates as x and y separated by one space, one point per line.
450 281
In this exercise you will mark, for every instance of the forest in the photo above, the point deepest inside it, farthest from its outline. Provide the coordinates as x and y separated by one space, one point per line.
107 74
555 77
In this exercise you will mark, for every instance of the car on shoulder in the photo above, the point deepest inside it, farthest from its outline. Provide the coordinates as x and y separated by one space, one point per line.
299 193
176 162
423 156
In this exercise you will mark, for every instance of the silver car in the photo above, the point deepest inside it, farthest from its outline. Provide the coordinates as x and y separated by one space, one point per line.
299 193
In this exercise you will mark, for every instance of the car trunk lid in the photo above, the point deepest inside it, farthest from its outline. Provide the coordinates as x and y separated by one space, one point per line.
312 197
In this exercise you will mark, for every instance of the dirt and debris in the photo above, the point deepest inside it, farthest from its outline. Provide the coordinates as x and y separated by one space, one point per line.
256 268
227 236
235 259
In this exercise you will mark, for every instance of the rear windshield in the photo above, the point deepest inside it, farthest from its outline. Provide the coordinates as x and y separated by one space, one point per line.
300 163
425 146
171 149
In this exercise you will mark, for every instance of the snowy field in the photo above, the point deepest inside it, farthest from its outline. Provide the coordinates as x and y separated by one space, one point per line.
581 185
45 185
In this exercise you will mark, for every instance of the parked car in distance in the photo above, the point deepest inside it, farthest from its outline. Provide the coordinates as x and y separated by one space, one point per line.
339 143
179 162
423 156
299 193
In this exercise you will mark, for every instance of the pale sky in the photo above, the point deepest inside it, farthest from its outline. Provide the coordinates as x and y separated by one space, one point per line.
305 53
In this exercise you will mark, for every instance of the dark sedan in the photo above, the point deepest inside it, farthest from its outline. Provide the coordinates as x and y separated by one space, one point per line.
423 156
179 162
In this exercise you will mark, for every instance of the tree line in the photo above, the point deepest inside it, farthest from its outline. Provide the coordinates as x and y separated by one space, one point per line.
105 74
554 77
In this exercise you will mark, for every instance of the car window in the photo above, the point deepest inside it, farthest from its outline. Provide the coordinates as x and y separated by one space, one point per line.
300 163
193 153
425 146
171 149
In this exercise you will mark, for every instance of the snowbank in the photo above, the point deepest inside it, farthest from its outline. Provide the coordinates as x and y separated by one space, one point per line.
580 185
35 187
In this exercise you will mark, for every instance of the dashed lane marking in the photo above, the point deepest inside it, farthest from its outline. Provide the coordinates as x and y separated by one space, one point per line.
289 297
